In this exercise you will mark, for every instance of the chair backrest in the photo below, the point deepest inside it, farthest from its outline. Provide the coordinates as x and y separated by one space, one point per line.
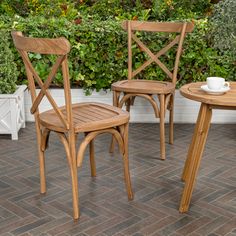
59 47
165 27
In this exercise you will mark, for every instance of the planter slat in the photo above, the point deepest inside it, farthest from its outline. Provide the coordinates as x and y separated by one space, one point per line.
12 112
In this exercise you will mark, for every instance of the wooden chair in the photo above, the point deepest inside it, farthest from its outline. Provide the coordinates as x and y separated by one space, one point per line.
69 120
124 92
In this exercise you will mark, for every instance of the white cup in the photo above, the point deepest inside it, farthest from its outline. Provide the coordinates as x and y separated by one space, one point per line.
216 83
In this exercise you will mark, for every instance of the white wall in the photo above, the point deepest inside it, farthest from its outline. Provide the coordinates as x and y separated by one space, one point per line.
185 110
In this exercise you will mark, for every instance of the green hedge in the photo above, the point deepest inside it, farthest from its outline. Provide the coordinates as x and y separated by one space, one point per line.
8 70
99 47
223 27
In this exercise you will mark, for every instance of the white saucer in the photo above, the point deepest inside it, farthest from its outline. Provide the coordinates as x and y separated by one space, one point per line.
215 92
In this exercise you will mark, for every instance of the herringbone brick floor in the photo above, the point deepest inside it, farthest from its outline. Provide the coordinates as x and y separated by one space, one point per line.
103 200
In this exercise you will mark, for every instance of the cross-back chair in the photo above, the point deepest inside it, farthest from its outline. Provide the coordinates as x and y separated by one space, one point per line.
124 92
69 120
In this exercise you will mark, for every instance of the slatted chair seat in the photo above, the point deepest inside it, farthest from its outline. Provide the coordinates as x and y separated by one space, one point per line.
86 117
143 86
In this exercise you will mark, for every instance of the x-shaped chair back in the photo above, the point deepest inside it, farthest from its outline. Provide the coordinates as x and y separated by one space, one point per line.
59 47
166 27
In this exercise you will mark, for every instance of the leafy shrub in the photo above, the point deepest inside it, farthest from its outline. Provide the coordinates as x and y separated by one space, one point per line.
98 55
224 27
99 52
8 70
108 9
113 9
166 10
200 60
46 8
160 10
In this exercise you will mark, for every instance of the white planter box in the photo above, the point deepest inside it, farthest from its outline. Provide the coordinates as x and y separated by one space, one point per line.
186 111
12 112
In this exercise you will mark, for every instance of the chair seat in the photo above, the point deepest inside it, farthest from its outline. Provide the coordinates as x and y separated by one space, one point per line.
143 86
86 117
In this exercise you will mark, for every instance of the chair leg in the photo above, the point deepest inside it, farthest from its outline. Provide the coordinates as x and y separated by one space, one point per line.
74 176
124 131
75 193
128 102
69 145
41 158
42 171
162 126
171 121
115 103
112 144
92 159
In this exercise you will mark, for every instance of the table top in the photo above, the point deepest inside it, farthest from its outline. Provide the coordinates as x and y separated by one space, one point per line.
194 92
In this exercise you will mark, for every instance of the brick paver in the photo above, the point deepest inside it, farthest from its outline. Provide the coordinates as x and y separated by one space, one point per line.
105 209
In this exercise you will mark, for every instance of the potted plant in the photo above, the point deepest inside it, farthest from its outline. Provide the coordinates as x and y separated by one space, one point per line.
12 115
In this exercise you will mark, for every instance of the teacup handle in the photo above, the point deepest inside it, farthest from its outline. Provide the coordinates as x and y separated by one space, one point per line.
226 84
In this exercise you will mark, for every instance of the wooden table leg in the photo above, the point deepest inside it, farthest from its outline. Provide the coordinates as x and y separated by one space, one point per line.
190 150
195 154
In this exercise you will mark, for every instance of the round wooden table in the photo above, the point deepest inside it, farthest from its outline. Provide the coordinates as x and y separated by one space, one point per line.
226 101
